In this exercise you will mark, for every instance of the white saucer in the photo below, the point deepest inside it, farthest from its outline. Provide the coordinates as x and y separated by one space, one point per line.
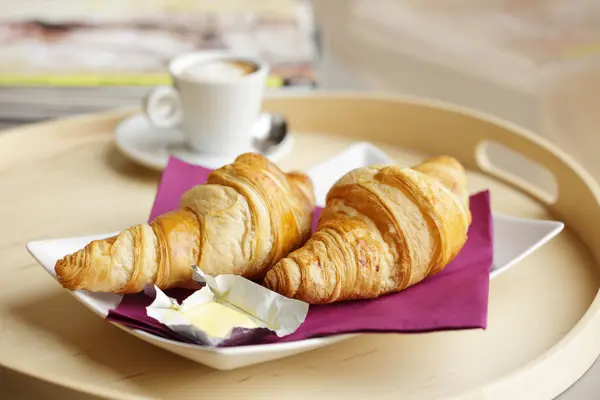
150 146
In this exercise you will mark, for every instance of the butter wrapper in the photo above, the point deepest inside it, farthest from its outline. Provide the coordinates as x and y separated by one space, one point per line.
229 310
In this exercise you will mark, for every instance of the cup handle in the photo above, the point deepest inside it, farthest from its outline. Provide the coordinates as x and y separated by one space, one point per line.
163 107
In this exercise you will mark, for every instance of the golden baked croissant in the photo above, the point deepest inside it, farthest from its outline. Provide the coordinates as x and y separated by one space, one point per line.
245 218
383 229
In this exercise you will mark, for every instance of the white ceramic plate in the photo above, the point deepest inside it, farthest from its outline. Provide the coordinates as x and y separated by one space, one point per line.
514 239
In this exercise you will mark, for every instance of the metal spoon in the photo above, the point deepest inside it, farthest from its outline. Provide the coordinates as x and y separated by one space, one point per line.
269 131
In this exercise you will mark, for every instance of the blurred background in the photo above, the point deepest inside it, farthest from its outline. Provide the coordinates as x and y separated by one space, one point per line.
535 63
60 57
532 62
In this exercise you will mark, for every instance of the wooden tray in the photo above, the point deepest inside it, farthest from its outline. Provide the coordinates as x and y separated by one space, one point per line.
65 178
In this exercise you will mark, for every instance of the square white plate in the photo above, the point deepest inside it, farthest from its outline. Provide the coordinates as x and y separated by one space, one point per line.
514 239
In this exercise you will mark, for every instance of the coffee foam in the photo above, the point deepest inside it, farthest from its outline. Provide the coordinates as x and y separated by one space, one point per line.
218 70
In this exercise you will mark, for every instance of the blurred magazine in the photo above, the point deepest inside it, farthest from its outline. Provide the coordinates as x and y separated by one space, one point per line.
64 56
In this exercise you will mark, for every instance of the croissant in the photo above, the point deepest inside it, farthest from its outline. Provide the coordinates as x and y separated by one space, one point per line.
383 229
245 218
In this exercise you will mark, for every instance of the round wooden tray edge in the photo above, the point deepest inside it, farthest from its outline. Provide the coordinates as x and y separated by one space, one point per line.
578 341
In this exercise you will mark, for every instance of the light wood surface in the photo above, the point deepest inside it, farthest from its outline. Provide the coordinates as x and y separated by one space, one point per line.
65 178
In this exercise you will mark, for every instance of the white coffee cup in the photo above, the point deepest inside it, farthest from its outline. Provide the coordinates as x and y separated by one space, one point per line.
215 101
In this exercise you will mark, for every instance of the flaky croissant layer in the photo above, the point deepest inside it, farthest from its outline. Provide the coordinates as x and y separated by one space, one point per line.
383 229
245 218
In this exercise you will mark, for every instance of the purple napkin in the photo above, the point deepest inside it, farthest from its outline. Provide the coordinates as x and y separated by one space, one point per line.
456 298
177 177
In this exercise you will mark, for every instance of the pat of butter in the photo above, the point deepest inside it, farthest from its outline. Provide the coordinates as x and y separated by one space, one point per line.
218 320
228 310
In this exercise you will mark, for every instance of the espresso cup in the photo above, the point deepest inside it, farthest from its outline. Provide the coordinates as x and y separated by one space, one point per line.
215 100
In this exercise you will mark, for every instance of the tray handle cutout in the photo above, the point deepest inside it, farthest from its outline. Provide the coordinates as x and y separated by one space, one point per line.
514 168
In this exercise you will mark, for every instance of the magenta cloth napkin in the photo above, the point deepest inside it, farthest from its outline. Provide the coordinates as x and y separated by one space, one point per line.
456 298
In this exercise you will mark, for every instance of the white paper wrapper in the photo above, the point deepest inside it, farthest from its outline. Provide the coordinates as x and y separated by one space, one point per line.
228 310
